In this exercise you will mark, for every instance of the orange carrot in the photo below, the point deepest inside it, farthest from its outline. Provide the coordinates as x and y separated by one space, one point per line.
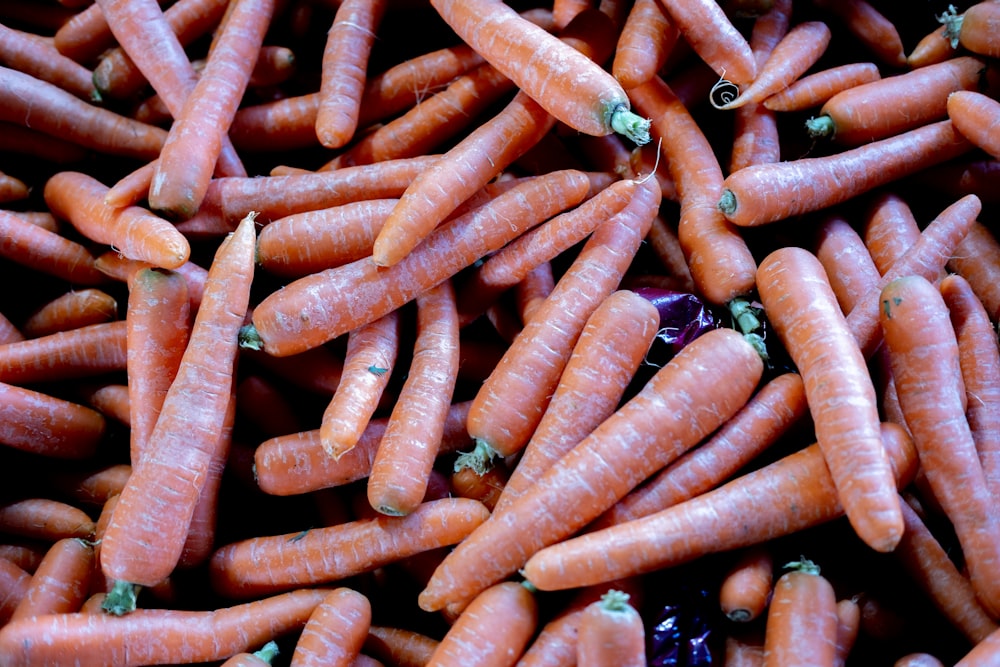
982 654
409 446
46 251
71 310
36 422
137 639
977 259
889 230
711 522
262 657
611 633
974 29
870 27
802 619
345 58
45 519
28 53
84 35
89 350
14 583
254 566
142 545
94 487
746 587
849 266
815 89
975 115
335 631
62 580
646 41
399 646
705 26
629 445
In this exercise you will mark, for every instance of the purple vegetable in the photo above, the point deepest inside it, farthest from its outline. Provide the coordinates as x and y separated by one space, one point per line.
683 317
681 634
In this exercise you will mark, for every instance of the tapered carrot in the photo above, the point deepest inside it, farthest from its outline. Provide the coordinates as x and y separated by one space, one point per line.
14 583
138 639
746 587
409 446
204 377
37 422
345 58
646 41
58 113
45 519
815 89
977 259
630 444
870 27
254 566
895 104
763 193
472 638
335 631
84 36
975 115
786 496
611 633
705 26
802 619
62 580
449 249
89 350
179 182
849 265
46 251
133 230
974 29
719 260
510 403
28 53
923 352
541 65
890 228
802 308
73 309
399 646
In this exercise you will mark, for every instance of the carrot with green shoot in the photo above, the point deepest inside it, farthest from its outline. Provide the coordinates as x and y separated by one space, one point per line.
974 29
802 618
611 633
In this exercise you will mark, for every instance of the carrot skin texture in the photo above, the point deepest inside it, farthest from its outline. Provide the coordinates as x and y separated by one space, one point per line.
641 427
815 89
335 631
611 633
89 350
62 581
746 588
801 624
705 26
36 422
46 251
976 116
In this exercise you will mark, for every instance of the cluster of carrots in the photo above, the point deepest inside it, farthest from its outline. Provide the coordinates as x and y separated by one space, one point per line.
328 337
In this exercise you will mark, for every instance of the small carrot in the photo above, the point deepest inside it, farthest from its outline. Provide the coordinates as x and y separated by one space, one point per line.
629 445
711 522
89 350
335 632
45 519
399 646
62 581
746 587
541 65
37 422
254 566
815 89
763 193
46 251
705 26
645 42
890 228
138 639
870 27
802 619
73 309
611 633
974 29
84 36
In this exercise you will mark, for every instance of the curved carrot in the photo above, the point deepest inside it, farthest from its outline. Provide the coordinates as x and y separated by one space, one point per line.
705 26
45 519
815 89
46 251
399 646
611 632
257 565
37 422
760 194
90 350
77 308
138 638
645 42
746 587
144 542
977 259
870 27
976 115
62 580
849 265
629 445
974 29
801 624
747 510
541 65
923 352
27 53
335 632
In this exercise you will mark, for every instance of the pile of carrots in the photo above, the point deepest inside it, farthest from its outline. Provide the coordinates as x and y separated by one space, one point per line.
328 337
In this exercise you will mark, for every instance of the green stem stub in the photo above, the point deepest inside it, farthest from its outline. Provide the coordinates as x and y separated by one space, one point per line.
615 600
120 600
820 126
480 459
250 338
633 126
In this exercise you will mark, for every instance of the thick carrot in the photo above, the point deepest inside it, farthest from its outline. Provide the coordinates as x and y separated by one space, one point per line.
815 89
786 496
369 362
649 431
568 84
46 251
646 40
62 581
611 633
706 27
923 352
257 565
890 228
399 646
801 624
73 309
89 350
335 632
974 29
746 587
133 230
37 422
28 53
409 447
870 27
343 72
144 542
765 193
369 291
180 181
975 115
141 637
45 519
510 403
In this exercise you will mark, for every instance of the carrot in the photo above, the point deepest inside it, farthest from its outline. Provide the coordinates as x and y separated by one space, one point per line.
335 631
71 310
776 407
449 249
934 47
746 587
510 403
895 104
46 251
745 649
113 265
848 627
142 545
983 653
473 640
14 584
133 230
611 633
845 258
86 351
254 566
718 258
932 569
917 329
975 114
84 35
889 230
645 42
28 53
12 189
804 313
25 556
762 193
138 639
399 646
62 580
974 29
632 438
408 448
870 27
44 519
802 619
9 333
345 59
541 65
713 37
61 114
977 259
179 183
259 658
94 486
818 87
712 522
42 424
792 56
611 346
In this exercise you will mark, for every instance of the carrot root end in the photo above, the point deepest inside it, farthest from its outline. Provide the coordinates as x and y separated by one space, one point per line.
631 125
120 600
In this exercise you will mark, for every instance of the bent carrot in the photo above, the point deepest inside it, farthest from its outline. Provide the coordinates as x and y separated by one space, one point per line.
975 115
705 26
335 632
801 624
815 89
36 422
611 633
